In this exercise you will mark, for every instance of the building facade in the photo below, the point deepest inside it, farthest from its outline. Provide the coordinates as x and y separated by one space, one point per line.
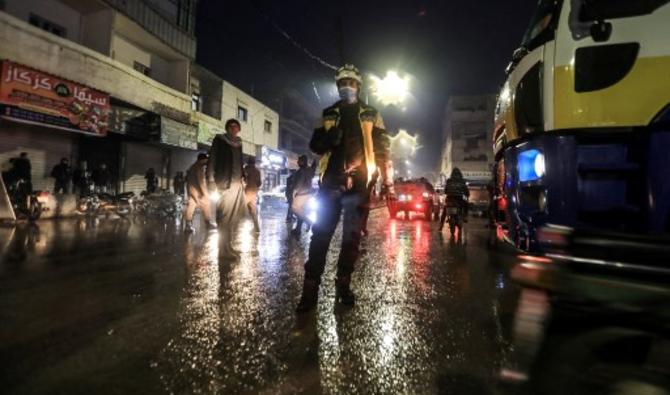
132 56
467 131
114 82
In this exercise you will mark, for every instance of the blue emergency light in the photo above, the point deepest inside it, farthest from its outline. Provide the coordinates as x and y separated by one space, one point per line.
530 165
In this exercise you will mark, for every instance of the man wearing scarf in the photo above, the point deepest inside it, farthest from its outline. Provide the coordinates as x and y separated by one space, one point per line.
224 175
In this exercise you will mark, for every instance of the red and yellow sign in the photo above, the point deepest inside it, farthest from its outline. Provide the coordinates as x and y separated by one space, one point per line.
31 96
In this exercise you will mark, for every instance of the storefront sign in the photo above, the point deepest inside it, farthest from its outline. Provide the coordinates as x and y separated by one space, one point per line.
476 175
207 131
28 95
170 112
140 124
271 159
179 134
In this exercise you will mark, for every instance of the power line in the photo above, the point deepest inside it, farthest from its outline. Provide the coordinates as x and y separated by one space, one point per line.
295 43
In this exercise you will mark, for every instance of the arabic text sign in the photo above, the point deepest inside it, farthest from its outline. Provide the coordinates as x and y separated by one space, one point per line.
178 134
32 96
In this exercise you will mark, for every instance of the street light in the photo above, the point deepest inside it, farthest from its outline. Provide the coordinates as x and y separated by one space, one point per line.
392 89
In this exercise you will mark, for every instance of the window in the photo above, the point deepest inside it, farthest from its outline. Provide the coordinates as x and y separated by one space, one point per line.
471 144
47 25
242 114
141 68
196 102
267 126
185 14
542 25
595 10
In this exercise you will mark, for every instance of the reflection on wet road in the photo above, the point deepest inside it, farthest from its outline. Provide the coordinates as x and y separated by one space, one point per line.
137 307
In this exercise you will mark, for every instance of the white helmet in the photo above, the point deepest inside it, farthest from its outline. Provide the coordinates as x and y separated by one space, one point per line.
349 71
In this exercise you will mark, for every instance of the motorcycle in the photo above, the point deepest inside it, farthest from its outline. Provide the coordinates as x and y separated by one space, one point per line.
105 204
26 204
162 203
455 215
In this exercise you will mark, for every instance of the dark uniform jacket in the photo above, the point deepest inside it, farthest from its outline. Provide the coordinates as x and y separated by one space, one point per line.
353 144
225 161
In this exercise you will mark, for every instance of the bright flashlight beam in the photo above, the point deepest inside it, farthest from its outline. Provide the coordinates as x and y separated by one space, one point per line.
392 89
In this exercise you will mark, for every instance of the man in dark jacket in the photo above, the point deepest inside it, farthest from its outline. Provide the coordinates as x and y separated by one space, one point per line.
288 192
457 194
178 183
252 181
198 194
301 191
152 180
22 170
101 178
63 174
224 176
353 144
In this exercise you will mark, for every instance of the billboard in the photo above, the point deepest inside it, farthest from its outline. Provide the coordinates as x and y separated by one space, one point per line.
31 96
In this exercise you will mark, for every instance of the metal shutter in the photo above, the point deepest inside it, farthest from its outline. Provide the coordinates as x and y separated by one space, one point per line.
139 158
45 148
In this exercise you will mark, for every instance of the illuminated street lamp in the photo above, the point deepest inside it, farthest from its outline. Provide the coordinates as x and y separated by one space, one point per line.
392 89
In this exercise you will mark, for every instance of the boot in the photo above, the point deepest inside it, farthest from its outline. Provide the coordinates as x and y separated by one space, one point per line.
188 227
211 225
343 292
310 296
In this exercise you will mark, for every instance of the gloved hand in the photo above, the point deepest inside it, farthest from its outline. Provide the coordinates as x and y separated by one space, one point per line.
334 136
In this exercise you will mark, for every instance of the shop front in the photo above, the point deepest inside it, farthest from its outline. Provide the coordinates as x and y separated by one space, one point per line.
151 141
272 164
47 117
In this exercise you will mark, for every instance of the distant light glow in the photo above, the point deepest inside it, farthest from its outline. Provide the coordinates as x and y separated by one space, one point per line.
392 89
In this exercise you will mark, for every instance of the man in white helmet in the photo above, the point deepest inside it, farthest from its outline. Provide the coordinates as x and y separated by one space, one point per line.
353 144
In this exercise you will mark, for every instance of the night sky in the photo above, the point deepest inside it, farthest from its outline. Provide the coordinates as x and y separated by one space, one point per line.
447 47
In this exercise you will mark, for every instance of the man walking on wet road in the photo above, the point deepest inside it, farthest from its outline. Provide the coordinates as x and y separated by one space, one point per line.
301 191
252 180
353 143
198 196
224 175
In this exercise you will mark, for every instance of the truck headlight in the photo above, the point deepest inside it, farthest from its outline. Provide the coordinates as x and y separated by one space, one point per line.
531 165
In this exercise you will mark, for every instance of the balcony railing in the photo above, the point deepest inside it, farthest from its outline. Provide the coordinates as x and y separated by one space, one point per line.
157 24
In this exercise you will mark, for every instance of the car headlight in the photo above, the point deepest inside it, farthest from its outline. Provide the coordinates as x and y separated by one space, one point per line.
402 198
531 165
426 194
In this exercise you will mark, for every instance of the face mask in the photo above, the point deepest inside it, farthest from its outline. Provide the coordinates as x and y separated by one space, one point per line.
348 94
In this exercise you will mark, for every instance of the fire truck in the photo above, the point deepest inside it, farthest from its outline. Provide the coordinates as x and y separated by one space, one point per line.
582 122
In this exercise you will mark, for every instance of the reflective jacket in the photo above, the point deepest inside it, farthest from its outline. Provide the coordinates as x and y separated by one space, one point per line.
376 142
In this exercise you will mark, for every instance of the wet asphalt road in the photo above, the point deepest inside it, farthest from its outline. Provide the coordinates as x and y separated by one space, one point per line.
121 307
